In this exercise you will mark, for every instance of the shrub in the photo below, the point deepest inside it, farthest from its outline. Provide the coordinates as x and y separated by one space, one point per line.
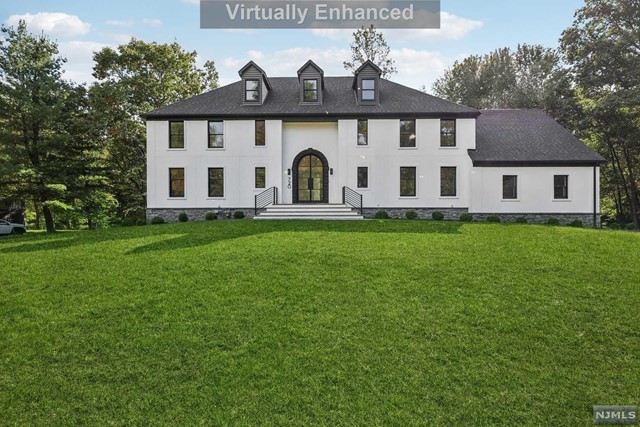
521 220
630 226
411 215
576 223
141 222
466 217
381 214
210 216
438 216
613 225
493 218
552 221
157 220
127 222
183 217
238 214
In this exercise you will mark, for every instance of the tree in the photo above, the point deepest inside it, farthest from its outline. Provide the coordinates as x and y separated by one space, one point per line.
529 77
369 44
44 133
603 49
135 78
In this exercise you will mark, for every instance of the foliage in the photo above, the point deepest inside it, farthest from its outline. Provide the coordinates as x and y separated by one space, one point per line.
576 223
466 217
157 220
493 218
603 49
149 325
238 214
411 215
438 216
127 222
210 216
381 214
141 221
630 226
183 217
521 220
552 221
369 44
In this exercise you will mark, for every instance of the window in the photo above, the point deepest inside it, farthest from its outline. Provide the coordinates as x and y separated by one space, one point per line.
261 177
216 182
216 134
448 181
561 186
363 177
368 90
176 134
310 88
363 132
407 133
407 181
176 182
447 133
252 90
259 132
509 187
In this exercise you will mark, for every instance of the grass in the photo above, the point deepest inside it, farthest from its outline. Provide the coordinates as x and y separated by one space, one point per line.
318 323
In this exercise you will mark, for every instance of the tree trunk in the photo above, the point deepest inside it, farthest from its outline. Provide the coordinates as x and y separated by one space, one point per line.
48 219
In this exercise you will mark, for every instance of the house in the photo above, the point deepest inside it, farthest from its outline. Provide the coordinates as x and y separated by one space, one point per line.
312 140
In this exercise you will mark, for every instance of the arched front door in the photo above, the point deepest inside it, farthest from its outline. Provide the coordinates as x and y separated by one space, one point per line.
310 177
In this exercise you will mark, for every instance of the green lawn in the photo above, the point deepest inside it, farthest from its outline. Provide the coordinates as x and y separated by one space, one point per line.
319 323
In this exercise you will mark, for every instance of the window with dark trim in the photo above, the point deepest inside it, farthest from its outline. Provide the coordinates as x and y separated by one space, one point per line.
363 177
261 177
561 186
216 134
407 133
260 132
176 134
408 181
363 132
368 90
216 182
447 133
252 90
448 181
509 187
310 90
176 182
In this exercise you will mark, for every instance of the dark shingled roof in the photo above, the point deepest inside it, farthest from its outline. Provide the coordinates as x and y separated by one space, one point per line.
527 137
338 101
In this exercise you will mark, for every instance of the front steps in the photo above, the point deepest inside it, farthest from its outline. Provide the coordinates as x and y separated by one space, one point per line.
309 211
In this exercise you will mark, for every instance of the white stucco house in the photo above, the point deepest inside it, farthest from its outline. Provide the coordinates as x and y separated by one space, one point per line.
309 144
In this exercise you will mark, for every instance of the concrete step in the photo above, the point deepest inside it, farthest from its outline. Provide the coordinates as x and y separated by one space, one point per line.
321 217
309 211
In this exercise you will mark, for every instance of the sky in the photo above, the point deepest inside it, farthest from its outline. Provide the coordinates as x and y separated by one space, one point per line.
468 27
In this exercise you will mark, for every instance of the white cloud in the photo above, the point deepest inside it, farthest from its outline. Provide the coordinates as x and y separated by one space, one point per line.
452 27
118 37
79 56
116 23
191 1
54 24
152 22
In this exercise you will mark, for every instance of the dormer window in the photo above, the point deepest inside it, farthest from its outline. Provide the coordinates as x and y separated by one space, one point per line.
252 90
368 90
310 88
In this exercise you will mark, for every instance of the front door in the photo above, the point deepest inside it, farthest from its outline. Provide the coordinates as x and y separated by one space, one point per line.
311 178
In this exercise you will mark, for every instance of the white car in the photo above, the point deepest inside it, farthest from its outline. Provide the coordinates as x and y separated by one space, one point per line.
11 228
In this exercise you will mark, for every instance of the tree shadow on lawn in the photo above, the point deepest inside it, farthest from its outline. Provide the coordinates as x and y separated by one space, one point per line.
192 234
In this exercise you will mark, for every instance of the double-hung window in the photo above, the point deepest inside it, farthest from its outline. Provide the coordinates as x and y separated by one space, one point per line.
509 187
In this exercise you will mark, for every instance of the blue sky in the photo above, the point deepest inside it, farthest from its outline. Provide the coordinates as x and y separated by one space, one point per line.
468 27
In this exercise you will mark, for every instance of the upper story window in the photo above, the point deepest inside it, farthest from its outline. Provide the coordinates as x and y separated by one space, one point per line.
561 186
368 90
407 133
310 88
363 132
448 181
260 135
447 133
176 134
216 134
252 90
509 187
176 182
